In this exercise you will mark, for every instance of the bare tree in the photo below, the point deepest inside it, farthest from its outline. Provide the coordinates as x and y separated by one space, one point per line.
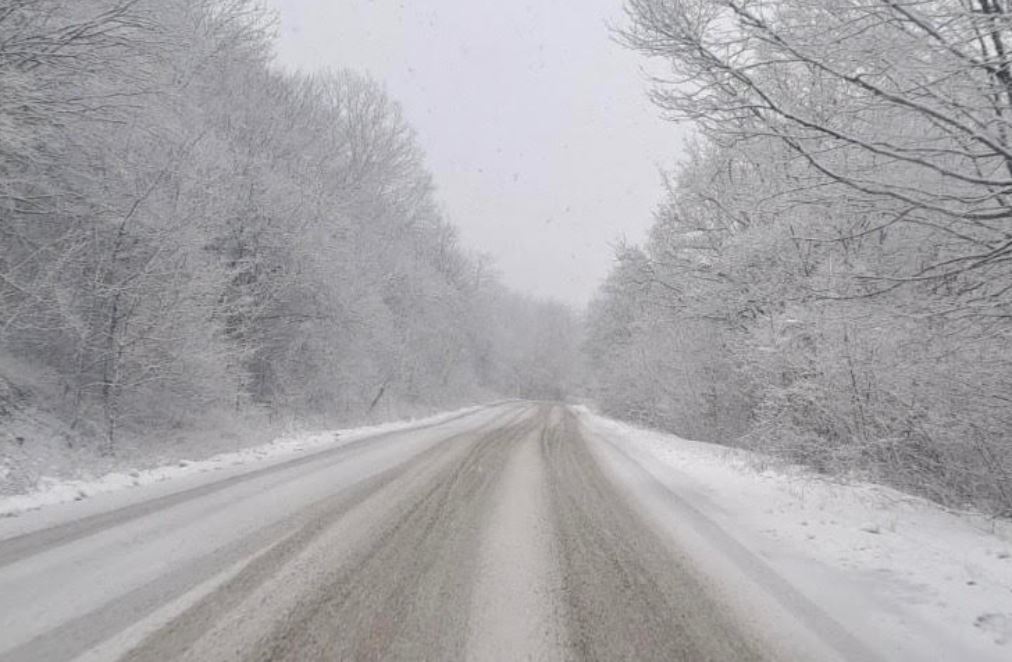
902 107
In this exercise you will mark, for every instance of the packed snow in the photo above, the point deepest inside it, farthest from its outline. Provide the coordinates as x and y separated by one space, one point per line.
53 490
906 577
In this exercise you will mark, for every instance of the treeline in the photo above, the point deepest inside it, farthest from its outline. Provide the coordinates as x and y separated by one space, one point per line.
829 278
184 228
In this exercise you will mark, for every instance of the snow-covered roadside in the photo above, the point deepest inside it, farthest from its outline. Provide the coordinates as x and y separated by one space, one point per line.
50 491
906 578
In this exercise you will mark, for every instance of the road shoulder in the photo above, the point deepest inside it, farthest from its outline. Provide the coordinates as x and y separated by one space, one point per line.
866 571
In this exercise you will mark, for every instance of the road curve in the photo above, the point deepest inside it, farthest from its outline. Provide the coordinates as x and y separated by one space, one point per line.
491 537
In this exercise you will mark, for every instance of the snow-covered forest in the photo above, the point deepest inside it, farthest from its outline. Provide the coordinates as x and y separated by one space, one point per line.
829 278
190 233
185 229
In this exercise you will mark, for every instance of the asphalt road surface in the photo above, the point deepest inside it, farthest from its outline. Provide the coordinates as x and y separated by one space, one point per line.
493 536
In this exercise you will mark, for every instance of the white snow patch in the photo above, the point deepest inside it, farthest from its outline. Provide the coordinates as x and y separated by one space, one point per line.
49 490
902 574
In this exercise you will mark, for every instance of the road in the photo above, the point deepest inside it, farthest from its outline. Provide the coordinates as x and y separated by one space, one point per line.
493 536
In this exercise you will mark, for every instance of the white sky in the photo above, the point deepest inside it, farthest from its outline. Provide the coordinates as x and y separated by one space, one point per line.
535 123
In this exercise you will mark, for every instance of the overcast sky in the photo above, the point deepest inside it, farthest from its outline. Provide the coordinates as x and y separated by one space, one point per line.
535 123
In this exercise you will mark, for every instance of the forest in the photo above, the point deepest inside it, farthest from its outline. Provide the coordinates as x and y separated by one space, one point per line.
829 276
185 229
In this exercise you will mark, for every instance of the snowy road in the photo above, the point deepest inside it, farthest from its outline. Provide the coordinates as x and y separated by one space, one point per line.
501 534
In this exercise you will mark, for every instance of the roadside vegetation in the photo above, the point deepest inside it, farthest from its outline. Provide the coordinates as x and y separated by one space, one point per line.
189 235
829 277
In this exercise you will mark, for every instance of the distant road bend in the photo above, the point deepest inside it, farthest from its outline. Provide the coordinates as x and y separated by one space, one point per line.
497 535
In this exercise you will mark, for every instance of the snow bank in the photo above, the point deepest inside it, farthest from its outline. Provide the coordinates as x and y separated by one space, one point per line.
903 575
49 491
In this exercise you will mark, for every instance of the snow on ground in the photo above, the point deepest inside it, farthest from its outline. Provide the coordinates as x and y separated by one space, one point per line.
50 490
909 578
